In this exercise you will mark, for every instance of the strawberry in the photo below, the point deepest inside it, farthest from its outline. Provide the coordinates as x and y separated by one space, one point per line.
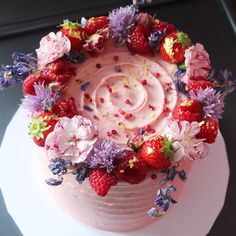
131 168
96 23
189 110
28 84
139 40
65 107
158 25
196 85
173 47
58 71
209 130
101 181
75 33
157 152
41 126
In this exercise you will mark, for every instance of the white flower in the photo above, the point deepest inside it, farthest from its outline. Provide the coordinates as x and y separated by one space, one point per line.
71 139
186 143
52 47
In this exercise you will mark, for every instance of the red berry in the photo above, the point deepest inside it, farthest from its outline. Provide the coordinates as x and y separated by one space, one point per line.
139 40
28 84
65 107
156 152
131 168
196 85
96 23
172 48
101 181
161 26
75 33
209 130
41 126
189 110
58 71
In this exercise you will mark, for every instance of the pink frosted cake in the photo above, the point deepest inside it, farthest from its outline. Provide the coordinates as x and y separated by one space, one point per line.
120 107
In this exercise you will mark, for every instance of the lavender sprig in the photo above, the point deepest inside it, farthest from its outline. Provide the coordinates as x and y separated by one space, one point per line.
223 81
23 65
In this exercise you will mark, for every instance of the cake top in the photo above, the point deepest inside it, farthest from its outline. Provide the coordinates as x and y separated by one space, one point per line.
115 96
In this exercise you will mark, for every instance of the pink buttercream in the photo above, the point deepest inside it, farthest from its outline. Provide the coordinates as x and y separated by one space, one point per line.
52 47
121 101
197 61
72 139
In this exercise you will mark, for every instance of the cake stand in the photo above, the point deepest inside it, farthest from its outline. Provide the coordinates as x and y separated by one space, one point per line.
35 214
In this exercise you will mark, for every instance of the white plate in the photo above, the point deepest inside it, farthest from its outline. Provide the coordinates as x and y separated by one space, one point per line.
194 214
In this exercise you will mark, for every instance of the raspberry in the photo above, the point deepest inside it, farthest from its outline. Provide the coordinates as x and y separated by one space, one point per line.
101 181
58 71
131 168
28 84
139 40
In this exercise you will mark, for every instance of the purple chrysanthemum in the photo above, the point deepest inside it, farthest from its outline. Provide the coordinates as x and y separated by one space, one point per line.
44 99
212 101
103 154
121 21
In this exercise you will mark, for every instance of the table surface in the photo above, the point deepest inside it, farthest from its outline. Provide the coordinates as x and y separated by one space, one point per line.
206 22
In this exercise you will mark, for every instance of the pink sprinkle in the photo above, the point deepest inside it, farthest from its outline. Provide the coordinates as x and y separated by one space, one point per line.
109 89
126 86
144 82
116 58
157 74
101 100
151 107
127 101
109 134
153 176
98 65
116 115
122 112
114 132
95 117
149 129
128 116
86 95
127 135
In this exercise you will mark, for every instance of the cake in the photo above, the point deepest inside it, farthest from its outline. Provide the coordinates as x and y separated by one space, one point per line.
120 107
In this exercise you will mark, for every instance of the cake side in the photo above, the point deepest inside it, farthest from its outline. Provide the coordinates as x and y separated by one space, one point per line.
121 210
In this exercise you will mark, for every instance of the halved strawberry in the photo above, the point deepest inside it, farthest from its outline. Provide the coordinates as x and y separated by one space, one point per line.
96 23
209 130
159 25
173 47
75 33
41 126
130 168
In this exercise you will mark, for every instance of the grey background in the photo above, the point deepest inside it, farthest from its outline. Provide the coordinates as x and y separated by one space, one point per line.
204 20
